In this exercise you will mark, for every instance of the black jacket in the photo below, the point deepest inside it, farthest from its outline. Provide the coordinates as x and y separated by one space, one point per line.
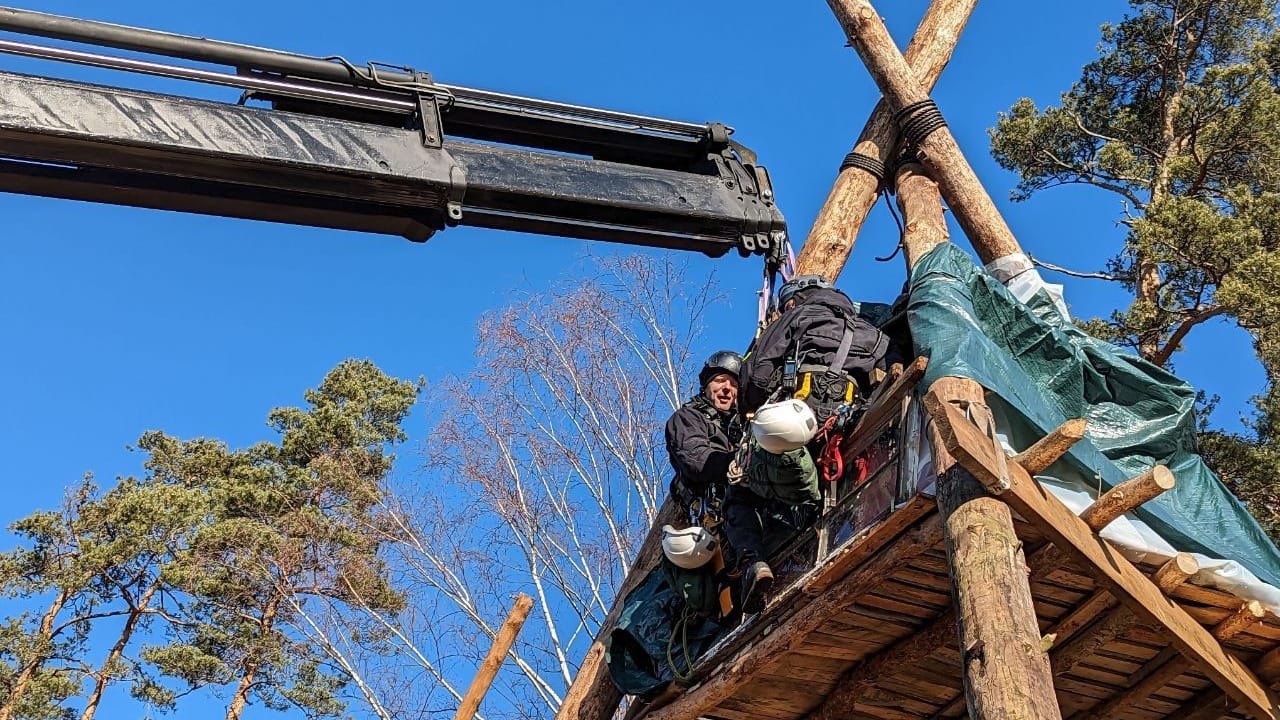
817 325
701 441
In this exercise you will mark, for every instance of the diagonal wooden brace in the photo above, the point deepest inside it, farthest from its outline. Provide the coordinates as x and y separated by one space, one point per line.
827 248
971 448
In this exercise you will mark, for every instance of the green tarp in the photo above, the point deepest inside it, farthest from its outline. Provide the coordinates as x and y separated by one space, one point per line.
1044 370
636 651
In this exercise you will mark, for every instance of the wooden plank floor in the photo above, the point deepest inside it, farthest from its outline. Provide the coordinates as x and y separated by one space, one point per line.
915 594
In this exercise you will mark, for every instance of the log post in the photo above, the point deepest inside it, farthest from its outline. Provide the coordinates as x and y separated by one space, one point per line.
1006 671
592 694
827 248
973 207
493 661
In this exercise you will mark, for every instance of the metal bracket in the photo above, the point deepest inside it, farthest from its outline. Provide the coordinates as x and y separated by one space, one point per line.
763 232
429 119
457 191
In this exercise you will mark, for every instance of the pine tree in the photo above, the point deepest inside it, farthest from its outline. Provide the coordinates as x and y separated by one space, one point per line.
290 520
1180 118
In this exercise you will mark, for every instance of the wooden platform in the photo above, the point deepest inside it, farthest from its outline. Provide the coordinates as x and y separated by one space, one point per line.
870 632
914 600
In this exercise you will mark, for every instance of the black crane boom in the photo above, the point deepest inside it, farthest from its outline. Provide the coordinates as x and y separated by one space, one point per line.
331 144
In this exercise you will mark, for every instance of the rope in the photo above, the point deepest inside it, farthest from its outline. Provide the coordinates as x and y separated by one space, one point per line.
902 231
871 165
918 120
682 628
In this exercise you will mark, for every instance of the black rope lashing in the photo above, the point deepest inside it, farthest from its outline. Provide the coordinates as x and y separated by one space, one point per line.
871 165
918 120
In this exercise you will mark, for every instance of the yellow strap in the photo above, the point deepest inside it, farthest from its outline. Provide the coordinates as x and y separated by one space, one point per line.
805 387
848 393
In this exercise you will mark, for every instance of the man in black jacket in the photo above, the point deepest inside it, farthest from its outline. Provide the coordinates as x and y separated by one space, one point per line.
703 434
819 348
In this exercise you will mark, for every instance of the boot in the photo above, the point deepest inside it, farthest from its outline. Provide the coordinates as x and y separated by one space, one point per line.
756 583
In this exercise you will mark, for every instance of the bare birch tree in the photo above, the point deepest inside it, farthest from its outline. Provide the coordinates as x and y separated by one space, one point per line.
542 476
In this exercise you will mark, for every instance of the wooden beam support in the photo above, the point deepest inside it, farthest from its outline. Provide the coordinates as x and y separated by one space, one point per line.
1069 652
827 248
1212 703
1268 666
725 680
862 677
592 694
1127 496
1036 505
493 661
1046 451
1050 557
1245 617
1163 672
972 206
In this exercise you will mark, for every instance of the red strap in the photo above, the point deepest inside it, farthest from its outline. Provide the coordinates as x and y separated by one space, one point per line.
832 461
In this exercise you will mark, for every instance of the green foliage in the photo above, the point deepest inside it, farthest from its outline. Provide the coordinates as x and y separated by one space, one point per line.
289 520
207 559
1180 117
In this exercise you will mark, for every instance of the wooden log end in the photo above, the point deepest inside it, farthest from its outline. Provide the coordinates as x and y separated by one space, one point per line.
1127 496
1179 569
1245 617
1046 451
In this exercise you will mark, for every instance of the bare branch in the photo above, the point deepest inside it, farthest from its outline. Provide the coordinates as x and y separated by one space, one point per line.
1074 273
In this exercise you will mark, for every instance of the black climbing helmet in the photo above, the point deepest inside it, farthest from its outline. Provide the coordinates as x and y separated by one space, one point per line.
798 283
725 361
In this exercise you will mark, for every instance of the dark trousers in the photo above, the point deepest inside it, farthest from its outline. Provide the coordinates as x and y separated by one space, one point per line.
756 527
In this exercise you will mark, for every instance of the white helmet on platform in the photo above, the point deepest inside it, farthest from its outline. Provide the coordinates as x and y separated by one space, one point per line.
690 548
782 426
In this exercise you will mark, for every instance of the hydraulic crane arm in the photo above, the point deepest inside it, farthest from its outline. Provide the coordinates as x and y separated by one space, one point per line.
330 144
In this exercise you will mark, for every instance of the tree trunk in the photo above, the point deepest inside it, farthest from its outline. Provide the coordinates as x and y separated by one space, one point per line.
252 663
1006 670
37 659
102 677
830 241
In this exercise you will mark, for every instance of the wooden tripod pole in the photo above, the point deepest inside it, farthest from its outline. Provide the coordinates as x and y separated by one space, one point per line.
973 207
493 661
830 241
1006 669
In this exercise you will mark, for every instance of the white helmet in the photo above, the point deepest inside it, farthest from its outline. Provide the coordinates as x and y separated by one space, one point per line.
690 548
783 426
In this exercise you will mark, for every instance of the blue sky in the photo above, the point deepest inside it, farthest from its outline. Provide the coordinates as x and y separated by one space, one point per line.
119 320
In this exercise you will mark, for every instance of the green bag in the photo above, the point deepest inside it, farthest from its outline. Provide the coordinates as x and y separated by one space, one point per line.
790 477
697 588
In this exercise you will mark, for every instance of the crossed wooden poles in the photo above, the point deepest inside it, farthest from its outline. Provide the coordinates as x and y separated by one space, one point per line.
978 486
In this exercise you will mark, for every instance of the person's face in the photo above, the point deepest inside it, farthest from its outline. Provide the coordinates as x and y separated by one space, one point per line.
722 391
